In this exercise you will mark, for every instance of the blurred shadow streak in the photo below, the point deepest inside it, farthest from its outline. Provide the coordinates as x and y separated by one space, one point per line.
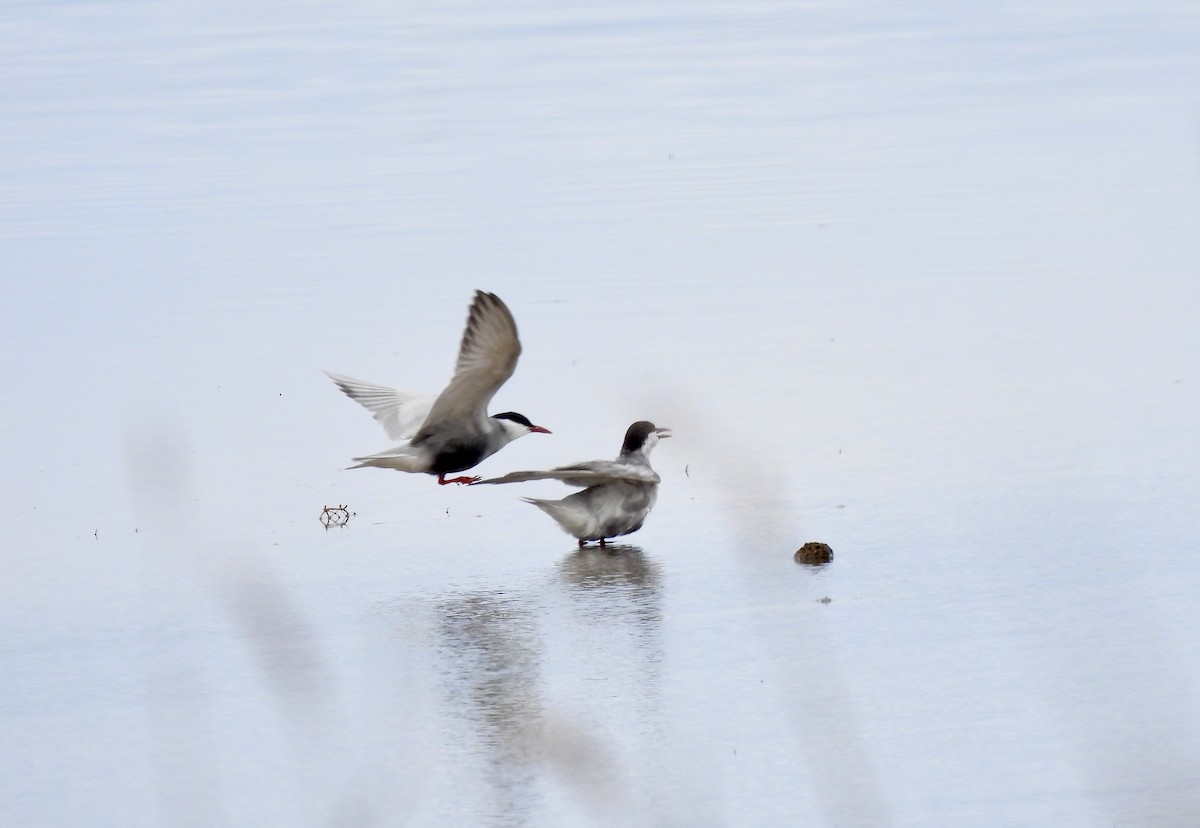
159 477
287 651
819 701
282 643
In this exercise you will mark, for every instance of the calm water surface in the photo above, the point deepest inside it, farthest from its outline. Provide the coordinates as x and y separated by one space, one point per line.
919 283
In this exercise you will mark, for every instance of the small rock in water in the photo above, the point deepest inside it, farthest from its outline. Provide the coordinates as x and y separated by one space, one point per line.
814 553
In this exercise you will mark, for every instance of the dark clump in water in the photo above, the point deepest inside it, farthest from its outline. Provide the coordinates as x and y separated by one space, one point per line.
813 553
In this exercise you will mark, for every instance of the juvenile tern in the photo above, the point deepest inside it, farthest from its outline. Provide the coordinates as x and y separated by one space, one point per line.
618 494
450 432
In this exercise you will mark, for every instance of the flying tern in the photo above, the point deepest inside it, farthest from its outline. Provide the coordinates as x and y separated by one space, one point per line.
450 432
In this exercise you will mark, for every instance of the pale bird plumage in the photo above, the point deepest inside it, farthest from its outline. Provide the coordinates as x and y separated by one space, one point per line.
617 494
452 431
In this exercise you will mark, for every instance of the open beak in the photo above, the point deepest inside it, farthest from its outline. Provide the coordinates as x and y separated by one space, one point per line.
662 432
540 430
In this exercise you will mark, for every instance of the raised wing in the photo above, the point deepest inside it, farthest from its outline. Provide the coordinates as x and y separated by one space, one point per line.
399 412
487 357
593 473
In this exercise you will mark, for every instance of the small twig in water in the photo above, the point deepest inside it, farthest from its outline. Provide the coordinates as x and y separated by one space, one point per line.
335 516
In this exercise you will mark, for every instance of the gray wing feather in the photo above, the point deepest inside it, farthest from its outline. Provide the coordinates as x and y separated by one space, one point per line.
399 412
487 357
592 473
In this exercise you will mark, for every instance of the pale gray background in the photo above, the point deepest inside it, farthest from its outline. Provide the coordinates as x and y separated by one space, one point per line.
918 280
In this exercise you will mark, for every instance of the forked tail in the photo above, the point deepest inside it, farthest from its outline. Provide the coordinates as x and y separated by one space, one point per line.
572 517
401 458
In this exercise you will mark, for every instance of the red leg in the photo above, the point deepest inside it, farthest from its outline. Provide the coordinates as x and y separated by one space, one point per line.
442 481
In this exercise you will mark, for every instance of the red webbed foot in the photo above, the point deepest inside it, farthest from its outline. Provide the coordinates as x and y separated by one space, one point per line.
466 481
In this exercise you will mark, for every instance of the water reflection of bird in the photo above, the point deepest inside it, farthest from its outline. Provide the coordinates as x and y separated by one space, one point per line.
616 564
614 640
619 493
491 653
451 432
618 581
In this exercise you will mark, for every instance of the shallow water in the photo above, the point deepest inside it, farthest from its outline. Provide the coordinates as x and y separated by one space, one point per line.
917 283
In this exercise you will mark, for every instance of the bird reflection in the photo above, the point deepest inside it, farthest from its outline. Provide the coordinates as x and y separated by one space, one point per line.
592 567
616 593
493 664
490 646
615 583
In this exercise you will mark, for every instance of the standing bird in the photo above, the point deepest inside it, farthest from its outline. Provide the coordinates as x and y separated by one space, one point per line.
451 432
619 493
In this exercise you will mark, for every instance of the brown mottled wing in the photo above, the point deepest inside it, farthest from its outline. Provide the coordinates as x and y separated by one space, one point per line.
487 357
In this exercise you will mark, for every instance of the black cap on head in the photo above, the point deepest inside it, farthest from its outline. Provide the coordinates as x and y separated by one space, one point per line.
635 436
515 417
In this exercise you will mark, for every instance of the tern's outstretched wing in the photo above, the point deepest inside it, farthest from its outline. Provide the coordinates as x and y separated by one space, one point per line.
593 473
487 357
399 412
